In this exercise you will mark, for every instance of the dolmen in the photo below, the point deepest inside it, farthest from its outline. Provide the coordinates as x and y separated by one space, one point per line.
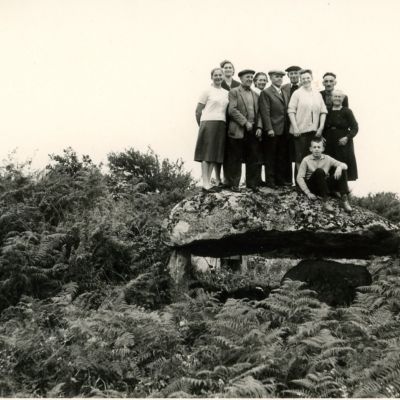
280 223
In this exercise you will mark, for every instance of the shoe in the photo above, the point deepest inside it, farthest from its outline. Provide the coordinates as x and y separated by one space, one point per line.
234 189
253 189
337 195
212 189
215 189
328 207
347 207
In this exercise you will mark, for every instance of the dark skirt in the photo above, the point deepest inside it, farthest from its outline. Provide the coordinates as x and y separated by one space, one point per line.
210 144
341 153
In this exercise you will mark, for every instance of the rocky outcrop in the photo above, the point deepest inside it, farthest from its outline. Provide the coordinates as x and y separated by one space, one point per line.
278 223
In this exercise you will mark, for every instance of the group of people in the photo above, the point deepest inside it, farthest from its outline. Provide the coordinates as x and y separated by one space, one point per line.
276 126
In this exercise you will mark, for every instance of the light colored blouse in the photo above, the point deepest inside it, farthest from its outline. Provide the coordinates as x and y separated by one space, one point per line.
307 105
215 101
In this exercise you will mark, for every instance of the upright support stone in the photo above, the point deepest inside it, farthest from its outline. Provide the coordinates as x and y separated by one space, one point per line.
179 269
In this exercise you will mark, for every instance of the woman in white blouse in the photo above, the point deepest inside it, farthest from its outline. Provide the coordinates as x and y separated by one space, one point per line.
211 118
307 114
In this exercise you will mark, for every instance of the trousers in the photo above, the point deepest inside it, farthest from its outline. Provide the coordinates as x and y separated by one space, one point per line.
321 184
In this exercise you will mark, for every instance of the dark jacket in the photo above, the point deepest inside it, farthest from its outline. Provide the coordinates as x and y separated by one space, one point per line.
273 110
225 86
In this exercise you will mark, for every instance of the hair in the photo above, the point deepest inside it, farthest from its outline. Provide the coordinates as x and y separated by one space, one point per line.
328 74
318 139
259 74
338 91
222 64
306 71
216 69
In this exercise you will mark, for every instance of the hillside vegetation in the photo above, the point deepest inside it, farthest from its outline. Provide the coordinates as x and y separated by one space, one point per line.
87 307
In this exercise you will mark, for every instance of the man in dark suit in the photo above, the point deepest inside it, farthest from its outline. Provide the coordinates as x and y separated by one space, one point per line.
273 110
293 73
244 135
329 81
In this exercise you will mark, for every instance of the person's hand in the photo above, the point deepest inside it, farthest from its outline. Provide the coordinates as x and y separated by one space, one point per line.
259 133
311 196
271 133
319 132
338 173
343 141
296 132
249 126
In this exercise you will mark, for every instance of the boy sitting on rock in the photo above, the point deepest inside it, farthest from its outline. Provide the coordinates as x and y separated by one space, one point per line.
320 174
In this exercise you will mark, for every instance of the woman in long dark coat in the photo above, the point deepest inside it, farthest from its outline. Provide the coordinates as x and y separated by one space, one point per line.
340 129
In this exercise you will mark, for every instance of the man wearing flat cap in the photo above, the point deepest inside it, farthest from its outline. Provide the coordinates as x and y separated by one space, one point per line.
293 73
273 110
244 134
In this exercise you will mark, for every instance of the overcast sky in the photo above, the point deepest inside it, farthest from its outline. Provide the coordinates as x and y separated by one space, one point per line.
105 75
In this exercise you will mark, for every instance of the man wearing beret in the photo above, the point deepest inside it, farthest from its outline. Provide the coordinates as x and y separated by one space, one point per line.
329 81
273 111
293 73
244 135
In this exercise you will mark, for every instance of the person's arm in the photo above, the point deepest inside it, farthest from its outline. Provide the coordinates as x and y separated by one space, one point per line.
292 110
199 110
353 124
352 129
301 175
322 116
265 112
340 166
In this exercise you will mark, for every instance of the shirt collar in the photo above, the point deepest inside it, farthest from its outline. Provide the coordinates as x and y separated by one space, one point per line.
278 89
321 158
245 87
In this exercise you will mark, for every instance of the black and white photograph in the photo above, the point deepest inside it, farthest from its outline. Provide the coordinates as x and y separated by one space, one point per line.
199 199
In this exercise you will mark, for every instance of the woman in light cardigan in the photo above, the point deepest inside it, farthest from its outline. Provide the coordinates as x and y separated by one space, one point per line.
307 114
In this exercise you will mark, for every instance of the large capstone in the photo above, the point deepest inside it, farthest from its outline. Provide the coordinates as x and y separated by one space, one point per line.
277 223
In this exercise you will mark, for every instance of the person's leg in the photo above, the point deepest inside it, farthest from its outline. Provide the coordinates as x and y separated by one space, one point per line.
233 162
298 142
211 167
281 161
205 174
228 161
317 183
252 175
217 169
341 186
270 160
